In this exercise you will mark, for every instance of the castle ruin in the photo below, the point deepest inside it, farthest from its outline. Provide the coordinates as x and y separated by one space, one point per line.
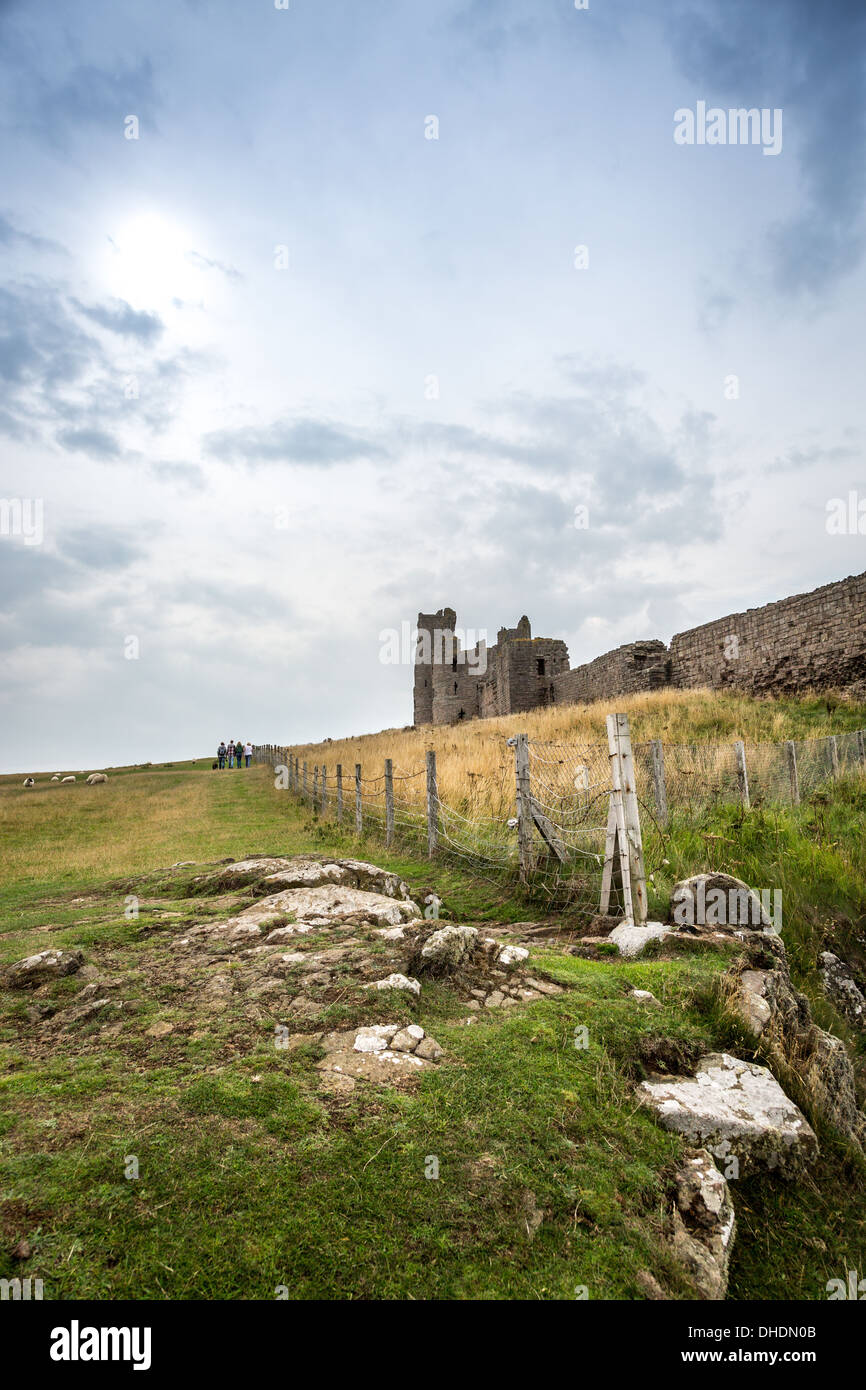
815 640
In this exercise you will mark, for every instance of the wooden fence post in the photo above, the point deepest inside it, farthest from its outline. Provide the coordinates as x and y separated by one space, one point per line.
432 805
793 774
834 756
861 745
659 788
742 773
359 814
339 793
524 804
304 783
315 801
627 818
324 789
389 801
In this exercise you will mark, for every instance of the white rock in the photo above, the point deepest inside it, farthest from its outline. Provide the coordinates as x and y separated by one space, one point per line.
732 1107
512 955
375 1038
448 946
631 940
397 982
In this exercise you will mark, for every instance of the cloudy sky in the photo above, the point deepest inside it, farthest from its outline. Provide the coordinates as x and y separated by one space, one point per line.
314 317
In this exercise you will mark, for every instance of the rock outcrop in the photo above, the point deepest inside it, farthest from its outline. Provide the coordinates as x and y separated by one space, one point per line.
738 1108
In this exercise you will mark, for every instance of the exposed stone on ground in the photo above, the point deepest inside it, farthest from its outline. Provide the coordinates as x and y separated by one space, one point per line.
444 950
631 940
841 989
383 1053
704 1224
716 900
328 903
792 1040
736 1107
45 965
396 981
270 875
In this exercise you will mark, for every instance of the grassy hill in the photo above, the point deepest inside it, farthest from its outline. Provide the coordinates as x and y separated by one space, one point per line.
251 1179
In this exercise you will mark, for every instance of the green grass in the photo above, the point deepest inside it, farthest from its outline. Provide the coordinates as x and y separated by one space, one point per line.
251 1179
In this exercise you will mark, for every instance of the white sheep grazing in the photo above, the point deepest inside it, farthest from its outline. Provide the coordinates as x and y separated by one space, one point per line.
96 777
56 777
30 781
67 779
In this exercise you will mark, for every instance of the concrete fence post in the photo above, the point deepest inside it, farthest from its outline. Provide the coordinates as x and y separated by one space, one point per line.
834 755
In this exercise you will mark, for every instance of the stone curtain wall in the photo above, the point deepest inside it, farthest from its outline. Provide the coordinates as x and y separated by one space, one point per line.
816 639
629 669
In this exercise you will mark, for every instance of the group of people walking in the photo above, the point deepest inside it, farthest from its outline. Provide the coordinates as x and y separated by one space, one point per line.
234 753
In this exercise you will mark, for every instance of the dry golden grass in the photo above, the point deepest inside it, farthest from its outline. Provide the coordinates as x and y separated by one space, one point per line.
475 767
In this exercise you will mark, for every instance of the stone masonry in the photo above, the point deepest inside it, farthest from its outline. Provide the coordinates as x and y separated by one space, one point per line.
815 640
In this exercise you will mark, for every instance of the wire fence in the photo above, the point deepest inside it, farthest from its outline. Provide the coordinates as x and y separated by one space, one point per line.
552 827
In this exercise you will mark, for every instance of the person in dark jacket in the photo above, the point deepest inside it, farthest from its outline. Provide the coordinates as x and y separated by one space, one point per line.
221 754
239 753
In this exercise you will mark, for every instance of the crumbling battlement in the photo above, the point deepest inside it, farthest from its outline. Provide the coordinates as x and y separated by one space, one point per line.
815 640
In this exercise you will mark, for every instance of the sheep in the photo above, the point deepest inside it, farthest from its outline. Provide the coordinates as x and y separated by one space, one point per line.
68 779
56 777
96 777
30 781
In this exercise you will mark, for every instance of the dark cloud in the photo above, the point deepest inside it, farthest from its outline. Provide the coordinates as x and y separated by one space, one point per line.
311 443
101 547
120 317
807 59
97 444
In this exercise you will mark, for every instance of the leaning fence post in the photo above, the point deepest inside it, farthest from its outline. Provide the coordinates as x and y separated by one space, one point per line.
315 801
631 842
834 755
359 814
432 805
794 775
304 783
389 801
324 789
524 804
742 773
659 787
339 793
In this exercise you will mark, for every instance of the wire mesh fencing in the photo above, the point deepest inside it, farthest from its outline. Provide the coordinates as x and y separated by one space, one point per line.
549 820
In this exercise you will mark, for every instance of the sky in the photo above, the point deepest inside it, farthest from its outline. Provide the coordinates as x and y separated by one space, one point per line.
318 316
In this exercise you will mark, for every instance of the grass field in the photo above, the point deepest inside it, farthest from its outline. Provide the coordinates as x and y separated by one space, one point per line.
251 1180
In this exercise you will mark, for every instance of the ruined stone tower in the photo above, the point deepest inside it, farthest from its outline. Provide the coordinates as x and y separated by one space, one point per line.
435 625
